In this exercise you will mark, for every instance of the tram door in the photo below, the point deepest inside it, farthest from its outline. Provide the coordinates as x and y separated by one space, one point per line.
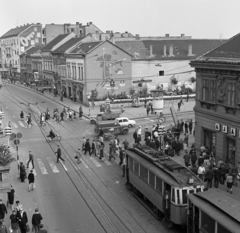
167 200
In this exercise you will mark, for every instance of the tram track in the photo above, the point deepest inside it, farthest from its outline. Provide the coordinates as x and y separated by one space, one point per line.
117 225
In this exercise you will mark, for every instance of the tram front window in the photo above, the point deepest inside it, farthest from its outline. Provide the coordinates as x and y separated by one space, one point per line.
207 223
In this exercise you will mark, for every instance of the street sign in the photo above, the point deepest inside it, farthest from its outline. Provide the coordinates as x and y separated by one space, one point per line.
16 141
8 130
12 136
19 135
161 131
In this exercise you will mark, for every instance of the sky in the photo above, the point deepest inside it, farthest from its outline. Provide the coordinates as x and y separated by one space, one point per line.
196 18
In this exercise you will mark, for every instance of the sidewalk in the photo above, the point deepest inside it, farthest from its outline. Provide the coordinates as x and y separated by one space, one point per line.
130 112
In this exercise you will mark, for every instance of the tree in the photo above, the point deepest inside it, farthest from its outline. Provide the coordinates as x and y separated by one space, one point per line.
193 79
174 80
5 156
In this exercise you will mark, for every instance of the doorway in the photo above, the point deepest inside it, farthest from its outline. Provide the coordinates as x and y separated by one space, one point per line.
69 92
231 150
209 140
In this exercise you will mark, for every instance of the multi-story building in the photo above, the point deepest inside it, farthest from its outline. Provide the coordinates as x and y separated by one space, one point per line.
217 110
53 30
92 65
15 42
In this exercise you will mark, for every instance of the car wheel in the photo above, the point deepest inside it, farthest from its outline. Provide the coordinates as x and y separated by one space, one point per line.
129 126
124 132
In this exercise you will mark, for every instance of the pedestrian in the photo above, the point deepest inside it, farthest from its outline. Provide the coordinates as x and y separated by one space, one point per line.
59 154
41 229
11 195
135 136
22 116
22 221
111 150
3 228
193 157
31 179
80 112
186 158
101 150
93 148
125 144
182 125
209 177
14 217
200 160
138 139
201 172
124 166
22 172
216 176
18 206
83 144
190 126
62 116
78 156
36 221
3 209
87 148
148 110
186 127
229 179
186 137
30 160
179 106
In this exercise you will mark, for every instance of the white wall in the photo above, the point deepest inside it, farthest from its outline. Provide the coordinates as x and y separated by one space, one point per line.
150 70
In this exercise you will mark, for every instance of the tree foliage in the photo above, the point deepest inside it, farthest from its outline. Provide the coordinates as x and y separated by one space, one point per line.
5 156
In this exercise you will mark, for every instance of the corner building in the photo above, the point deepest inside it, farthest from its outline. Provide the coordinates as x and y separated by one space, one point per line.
217 110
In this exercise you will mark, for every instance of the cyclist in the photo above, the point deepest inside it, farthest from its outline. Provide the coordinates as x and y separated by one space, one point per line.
51 135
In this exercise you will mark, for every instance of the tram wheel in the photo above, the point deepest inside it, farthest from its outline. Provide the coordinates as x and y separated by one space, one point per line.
155 210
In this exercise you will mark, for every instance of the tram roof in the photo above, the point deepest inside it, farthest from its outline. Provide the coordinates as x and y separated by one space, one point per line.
218 204
177 178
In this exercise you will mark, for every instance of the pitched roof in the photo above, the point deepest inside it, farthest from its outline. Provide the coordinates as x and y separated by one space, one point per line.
230 49
53 42
84 48
67 45
33 50
180 47
15 31
136 48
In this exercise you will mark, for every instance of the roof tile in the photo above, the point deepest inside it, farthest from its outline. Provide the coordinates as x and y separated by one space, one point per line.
84 48
15 31
53 42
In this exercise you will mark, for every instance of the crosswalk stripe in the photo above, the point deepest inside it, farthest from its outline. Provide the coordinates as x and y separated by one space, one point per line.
52 165
14 125
20 123
42 167
85 164
30 164
97 164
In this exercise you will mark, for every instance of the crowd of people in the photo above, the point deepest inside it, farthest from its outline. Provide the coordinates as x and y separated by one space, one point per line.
19 217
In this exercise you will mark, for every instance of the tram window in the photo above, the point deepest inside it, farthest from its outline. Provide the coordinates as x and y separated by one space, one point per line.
173 195
222 229
178 196
198 190
130 164
144 173
158 185
151 179
207 223
191 191
136 168
184 196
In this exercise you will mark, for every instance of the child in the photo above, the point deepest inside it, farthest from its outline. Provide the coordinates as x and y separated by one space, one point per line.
229 179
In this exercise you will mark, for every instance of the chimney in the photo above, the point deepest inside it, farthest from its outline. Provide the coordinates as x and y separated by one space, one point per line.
77 23
171 50
190 50
151 50
137 36
166 35
164 50
90 23
182 35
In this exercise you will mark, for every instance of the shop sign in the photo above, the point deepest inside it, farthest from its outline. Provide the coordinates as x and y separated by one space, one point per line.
233 132
217 127
224 129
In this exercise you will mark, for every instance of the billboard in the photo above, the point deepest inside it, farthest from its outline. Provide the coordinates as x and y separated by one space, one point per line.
30 37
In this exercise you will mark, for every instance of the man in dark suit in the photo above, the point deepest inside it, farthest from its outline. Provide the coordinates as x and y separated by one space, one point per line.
3 209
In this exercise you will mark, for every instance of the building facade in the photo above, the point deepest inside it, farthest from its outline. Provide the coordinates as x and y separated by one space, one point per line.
15 42
92 65
217 111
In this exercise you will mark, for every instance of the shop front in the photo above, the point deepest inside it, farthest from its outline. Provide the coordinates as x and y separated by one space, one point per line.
64 88
77 92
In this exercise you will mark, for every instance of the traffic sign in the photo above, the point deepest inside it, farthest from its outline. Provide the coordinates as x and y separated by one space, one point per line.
8 130
19 135
16 141
12 136
1 115
161 131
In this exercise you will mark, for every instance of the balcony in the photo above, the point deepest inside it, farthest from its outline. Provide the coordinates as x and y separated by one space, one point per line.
208 105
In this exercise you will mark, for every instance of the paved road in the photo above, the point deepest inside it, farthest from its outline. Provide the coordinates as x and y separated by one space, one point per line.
91 197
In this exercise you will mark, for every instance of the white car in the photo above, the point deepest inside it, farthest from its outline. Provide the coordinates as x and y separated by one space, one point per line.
124 121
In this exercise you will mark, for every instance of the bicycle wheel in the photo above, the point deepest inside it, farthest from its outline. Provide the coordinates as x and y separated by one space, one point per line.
59 138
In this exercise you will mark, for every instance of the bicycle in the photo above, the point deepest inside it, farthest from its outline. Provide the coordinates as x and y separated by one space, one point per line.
56 138
160 119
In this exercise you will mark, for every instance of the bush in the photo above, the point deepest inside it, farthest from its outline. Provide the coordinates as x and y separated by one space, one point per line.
5 156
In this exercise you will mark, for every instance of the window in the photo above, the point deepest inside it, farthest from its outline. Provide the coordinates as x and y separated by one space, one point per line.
161 73
207 223
205 89
125 120
184 196
231 92
209 140
136 168
82 73
144 173
130 164
122 81
158 185
222 229
230 150
72 29
151 179
79 73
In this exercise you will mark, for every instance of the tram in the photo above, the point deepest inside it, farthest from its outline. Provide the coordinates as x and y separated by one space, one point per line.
161 183
214 211
157 102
